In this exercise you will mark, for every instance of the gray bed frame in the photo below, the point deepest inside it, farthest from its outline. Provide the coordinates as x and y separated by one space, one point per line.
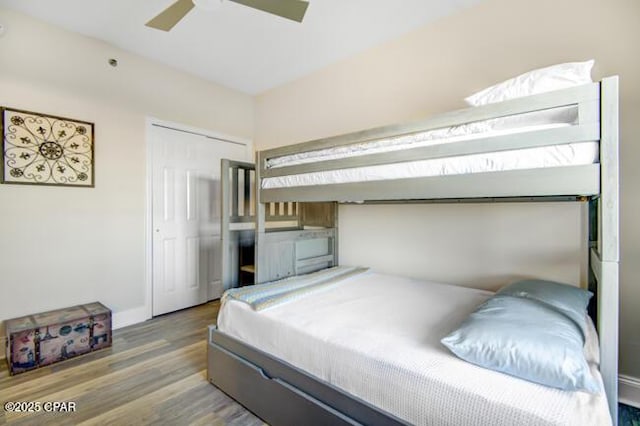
281 394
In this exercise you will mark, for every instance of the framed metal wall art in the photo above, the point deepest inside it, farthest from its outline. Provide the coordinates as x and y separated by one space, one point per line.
42 149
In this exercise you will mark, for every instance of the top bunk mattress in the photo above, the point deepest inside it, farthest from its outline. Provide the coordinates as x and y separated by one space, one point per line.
535 158
377 337
547 156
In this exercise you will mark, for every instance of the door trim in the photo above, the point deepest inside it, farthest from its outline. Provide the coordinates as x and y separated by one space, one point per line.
148 219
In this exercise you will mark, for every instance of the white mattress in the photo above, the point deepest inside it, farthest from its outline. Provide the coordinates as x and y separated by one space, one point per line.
482 129
378 338
533 158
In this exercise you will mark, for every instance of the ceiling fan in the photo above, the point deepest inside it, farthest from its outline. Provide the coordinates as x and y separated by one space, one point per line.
167 19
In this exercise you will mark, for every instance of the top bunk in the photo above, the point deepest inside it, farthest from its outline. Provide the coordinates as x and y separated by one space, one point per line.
558 145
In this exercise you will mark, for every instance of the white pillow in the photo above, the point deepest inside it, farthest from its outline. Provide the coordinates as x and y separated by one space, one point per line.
533 82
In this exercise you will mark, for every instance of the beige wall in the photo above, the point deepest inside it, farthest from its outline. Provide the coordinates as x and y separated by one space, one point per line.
431 70
62 246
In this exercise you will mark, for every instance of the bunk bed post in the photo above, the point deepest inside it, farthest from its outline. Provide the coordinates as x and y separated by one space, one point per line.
225 233
260 223
336 259
608 253
235 213
247 192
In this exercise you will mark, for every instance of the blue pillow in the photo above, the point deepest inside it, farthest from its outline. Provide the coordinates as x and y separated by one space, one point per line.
526 339
568 300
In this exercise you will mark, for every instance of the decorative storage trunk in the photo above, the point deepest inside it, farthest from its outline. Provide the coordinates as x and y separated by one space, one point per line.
41 339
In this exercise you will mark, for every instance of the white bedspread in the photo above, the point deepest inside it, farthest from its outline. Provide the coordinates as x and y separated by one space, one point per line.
378 338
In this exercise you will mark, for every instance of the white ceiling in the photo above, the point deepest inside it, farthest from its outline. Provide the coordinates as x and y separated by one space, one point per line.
240 47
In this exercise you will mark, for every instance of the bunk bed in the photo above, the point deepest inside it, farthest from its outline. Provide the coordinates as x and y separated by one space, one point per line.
400 163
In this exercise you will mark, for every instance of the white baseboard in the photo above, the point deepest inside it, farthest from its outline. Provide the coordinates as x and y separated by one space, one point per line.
129 317
629 390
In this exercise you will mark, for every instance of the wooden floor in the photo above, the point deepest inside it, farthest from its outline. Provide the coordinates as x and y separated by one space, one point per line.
155 373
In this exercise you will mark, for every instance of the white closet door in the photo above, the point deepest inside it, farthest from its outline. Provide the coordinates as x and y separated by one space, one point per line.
186 217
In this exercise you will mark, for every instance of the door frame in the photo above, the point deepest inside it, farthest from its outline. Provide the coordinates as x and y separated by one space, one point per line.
148 219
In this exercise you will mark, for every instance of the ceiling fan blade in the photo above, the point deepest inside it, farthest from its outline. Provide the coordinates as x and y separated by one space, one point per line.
171 15
290 9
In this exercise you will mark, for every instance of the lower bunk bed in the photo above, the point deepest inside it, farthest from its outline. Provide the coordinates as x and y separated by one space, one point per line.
366 349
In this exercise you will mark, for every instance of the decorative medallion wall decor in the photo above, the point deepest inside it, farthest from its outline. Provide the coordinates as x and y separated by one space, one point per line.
45 150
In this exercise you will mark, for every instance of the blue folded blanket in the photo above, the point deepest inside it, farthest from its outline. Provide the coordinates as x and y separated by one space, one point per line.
268 295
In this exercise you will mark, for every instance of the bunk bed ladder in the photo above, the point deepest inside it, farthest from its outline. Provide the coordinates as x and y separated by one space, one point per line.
236 215
285 238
